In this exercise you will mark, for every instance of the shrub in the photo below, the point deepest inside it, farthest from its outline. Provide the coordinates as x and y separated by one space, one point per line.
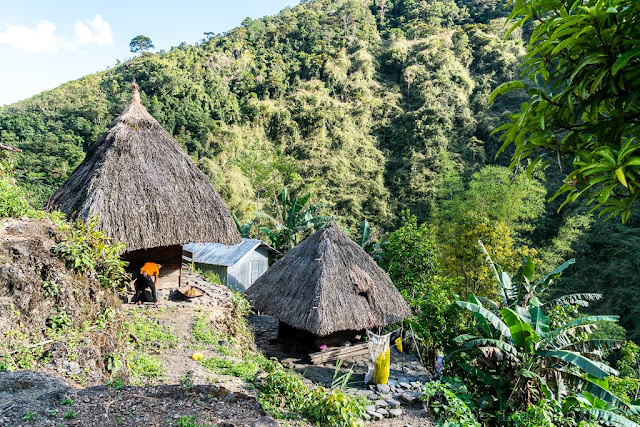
88 251
284 395
12 200
442 397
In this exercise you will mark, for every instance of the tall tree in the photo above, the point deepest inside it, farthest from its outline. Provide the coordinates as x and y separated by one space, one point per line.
140 44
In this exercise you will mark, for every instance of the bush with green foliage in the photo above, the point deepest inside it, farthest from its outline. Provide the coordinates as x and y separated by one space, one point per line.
87 250
408 254
13 203
443 398
283 394
523 359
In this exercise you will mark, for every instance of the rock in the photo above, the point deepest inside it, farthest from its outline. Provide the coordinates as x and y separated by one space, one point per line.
409 396
382 403
383 411
393 403
404 385
392 382
416 384
366 416
375 415
384 388
364 392
385 396
264 422
373 396
395 412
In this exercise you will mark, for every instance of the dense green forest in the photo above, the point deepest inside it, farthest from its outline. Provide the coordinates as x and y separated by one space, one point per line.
379 110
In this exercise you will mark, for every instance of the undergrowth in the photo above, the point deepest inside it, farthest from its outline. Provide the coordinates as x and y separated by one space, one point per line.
144 368
285 395
148 333
89 252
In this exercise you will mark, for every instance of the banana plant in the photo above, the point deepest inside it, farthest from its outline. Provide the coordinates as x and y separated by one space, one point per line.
523 359
296 218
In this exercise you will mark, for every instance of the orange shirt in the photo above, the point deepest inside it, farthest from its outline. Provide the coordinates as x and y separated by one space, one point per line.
151 268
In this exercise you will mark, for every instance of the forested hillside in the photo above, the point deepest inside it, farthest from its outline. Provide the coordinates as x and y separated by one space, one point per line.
373 106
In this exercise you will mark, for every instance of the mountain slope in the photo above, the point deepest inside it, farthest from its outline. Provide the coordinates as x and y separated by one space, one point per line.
358 101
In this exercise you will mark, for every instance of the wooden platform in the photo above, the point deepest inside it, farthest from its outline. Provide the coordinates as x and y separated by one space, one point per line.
350 352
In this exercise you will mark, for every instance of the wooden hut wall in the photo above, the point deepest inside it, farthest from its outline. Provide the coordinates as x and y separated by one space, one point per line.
169 256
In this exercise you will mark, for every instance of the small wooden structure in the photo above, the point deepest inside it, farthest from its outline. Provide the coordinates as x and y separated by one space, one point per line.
147 193
237 266
328 287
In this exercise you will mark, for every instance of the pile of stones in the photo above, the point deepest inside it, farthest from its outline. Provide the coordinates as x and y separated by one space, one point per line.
214 295
386 399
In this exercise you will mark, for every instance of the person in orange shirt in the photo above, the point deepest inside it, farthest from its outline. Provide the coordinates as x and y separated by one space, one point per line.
147 278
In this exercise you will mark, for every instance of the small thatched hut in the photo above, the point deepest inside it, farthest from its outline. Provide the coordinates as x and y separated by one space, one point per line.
146 193
328 286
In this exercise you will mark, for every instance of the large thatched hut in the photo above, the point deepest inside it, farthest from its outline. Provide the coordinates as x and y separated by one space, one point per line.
147 193
328 286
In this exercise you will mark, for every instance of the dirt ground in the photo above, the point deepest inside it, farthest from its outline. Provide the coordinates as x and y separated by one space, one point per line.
34 398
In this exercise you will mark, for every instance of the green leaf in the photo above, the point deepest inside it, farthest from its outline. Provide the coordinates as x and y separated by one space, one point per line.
611 417
494 320
597 369
624 60
555 273
522 334
621 177
505 88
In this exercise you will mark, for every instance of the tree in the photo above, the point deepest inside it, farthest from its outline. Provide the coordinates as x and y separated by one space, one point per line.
140 44
583 67
408 254
296 219
526 356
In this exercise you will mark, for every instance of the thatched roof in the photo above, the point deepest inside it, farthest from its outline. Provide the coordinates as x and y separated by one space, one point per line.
327 284
144 189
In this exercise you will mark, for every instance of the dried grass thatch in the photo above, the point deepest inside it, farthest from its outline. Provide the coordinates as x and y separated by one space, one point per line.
327 284
144 188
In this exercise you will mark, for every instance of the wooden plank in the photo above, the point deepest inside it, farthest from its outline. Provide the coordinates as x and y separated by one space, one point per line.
328 358
342 352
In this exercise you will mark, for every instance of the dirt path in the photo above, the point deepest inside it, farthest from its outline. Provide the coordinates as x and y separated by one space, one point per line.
185 393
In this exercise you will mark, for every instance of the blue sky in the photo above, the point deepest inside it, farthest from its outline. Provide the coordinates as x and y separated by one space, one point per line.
46 43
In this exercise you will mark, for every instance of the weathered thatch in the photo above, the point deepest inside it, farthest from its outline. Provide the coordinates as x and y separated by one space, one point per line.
327 284
144 189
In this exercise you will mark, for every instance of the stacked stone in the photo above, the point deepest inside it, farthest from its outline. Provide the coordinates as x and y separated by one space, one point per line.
214 295
385 400
265 328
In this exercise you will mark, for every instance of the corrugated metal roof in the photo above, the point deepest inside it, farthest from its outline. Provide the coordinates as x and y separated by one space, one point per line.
219 254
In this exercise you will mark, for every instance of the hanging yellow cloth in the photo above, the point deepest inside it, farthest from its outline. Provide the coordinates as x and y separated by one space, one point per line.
398 343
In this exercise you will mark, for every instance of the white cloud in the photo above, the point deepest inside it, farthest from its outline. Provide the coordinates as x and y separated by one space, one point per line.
40 39
43 38
97 31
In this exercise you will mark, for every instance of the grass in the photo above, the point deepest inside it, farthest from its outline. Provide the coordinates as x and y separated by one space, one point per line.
144 368
202 332
190 421
246 370
149 333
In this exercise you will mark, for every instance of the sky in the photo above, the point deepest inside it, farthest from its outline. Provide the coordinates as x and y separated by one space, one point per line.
46 43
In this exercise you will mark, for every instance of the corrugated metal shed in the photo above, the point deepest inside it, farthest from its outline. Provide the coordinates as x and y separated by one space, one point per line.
219 254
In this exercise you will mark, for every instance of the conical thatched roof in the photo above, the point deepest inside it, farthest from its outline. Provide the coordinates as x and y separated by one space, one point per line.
144 189
327 284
